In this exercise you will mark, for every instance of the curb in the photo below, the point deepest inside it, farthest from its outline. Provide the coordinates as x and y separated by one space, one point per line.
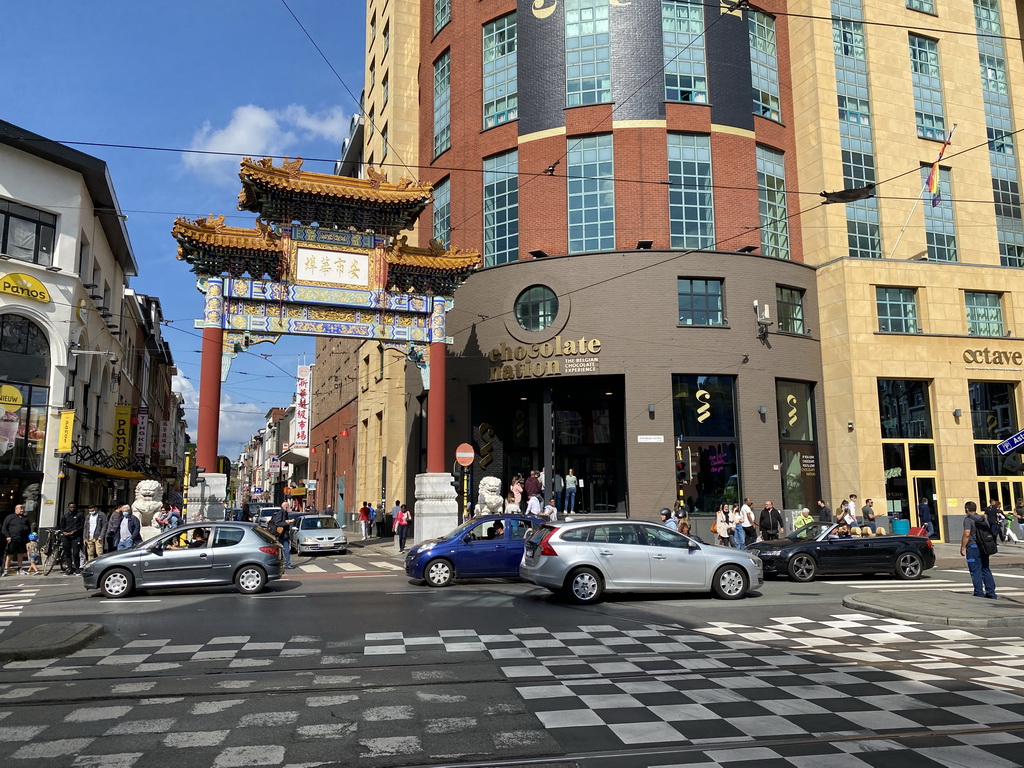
45 641
857 603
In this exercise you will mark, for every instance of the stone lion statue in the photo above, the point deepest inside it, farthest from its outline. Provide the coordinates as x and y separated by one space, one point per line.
149 495
489 499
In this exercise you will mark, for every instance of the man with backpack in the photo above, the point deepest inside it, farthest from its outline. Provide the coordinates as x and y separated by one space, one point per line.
977 545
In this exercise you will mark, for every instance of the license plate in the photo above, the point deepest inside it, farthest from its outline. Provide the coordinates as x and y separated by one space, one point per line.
326 544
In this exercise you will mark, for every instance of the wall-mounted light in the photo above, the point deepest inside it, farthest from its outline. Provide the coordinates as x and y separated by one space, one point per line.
53 269
763 410
849 426
538 254
89 286
344 433
644 245
957 413
650 408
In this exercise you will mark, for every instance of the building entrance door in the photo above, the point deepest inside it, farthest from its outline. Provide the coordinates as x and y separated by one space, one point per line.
924 488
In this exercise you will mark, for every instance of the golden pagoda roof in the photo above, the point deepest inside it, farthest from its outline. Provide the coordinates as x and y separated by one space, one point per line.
436 257
261 178
210 231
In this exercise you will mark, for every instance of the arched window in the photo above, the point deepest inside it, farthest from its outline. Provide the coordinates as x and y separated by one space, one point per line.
24 393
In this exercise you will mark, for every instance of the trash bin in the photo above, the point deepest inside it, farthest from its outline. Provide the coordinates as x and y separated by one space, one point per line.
900 527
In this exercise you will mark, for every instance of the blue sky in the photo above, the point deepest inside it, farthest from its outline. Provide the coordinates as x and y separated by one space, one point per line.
230 76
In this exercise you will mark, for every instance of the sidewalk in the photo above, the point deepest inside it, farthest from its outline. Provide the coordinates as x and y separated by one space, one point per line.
1010 555
388 546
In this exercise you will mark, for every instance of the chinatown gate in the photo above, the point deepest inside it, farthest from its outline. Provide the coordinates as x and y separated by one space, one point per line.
325 258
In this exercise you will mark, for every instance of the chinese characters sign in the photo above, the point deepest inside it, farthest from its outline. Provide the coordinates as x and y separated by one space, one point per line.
165 439
321 266
301 431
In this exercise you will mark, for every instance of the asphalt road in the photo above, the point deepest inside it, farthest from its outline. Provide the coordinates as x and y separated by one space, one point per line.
348 663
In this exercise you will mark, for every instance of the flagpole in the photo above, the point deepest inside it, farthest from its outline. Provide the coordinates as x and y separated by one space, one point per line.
935 169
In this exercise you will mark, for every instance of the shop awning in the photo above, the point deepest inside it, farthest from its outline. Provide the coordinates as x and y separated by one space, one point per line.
121 474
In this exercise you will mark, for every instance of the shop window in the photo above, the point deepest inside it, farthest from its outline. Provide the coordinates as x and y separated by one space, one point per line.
701 302
536 308
25 357
707 456
904 409
27 234
897 310
993 410
790 306
794 402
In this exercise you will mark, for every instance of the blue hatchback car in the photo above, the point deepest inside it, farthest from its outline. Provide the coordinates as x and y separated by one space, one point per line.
484 547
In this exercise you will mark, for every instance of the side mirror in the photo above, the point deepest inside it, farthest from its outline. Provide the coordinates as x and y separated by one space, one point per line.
692 545
467 539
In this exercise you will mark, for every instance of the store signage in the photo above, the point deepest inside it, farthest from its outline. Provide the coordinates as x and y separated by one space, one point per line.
25 287
165 438
274 465
142 432
10 398
650 438
551 358
302 408
993 356
1011 443
122 430
67 431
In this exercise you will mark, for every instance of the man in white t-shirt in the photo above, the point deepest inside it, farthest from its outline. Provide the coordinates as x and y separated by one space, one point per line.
551 510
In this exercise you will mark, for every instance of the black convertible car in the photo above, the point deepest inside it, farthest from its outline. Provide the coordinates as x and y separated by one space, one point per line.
819 549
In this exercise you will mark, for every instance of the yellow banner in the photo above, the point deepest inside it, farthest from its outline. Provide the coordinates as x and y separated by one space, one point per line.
122 430
67 431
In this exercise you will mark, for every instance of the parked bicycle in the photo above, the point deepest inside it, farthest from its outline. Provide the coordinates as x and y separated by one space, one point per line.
55 552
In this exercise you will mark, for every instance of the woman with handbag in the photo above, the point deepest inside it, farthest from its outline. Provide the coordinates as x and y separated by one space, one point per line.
722 525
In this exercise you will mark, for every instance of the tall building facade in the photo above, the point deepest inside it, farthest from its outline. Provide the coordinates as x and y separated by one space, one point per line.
638 175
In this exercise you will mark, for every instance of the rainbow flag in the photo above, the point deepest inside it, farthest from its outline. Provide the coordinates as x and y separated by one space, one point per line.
933 176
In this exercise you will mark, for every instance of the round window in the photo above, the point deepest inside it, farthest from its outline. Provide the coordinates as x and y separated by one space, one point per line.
536 308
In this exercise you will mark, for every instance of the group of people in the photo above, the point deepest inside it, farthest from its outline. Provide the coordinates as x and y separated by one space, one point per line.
1002 522
545 496
736 526
394 522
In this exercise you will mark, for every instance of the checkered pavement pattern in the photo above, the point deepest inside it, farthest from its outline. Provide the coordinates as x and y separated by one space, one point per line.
12 604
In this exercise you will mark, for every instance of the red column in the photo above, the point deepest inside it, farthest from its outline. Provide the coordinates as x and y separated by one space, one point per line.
436 409
208 432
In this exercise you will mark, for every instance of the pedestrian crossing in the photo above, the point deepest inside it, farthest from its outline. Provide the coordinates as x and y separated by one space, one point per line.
343 566
11 605
942 585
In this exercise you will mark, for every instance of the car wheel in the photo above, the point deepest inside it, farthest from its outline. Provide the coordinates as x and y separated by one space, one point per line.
439 573
802 568
250 579
730 583
584 586
117 582
909 566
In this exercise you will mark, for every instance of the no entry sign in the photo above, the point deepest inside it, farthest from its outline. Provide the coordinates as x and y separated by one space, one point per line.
465 455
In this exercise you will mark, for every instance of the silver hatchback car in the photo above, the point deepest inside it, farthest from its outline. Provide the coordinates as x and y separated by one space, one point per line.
318 533
195 555
585 558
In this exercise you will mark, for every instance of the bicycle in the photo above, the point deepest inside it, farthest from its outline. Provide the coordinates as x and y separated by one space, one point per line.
55 553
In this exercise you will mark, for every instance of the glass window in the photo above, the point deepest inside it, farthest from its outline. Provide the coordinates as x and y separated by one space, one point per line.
939 227
591 188
984 313
691 207
227 537
536 308
790 309
764 65
705 406
771 198
794 402
442 104
897 310
501 88
993 410
442 14
662 536
903 408
925 6
386 38
701 301
442 230
384 90
27 234
706 456
682 29
25 359
615 534
588 53
501 208
795 407
922 456
927 80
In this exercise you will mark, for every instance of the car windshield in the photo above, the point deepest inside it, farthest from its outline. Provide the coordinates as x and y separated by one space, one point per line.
459 532
810 531
309 523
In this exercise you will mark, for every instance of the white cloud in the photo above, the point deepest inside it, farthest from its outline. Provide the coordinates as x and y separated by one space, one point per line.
238 421
258 132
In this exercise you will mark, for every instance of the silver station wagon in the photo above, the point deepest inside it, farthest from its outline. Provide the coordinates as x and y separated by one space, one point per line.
194 555
582 559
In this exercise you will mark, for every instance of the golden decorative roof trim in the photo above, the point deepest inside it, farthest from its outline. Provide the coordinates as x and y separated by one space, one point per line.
210 231
290 177
435 257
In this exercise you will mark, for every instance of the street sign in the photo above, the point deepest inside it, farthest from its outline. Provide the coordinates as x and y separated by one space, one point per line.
1011 443
465 454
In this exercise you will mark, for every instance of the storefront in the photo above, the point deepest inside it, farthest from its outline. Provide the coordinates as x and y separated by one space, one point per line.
609 364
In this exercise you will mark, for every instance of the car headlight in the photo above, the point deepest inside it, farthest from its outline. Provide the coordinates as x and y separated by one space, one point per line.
308 540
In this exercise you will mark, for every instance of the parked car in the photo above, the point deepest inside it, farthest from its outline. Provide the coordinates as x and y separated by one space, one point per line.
817 549
484 547
193 555
583 559
318 533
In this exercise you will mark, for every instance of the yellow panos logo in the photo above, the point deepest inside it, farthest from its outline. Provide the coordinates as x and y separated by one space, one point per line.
704 411
10 398
25 287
